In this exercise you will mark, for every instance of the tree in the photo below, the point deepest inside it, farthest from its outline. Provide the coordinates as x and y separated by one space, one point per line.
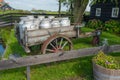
78 10
77 7
69 5
60 4
59 9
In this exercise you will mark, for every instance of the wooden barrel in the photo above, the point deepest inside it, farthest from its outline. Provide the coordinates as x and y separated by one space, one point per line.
101 73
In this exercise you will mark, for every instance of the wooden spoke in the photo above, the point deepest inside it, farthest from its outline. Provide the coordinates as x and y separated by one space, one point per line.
61 41
52 45
50 50
64 44
56 43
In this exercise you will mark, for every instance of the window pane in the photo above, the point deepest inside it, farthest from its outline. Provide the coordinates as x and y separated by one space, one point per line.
98 12
115 12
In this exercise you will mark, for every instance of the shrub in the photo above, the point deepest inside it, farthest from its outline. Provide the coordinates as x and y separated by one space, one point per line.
106 61
94 24
112 26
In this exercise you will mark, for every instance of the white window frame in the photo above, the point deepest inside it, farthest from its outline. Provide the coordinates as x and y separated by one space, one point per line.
115 12
98 12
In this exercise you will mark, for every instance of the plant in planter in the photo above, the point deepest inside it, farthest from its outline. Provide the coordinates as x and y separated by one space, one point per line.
105 67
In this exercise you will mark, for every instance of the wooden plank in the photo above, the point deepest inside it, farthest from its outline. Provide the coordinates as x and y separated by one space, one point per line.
41 32
53 57
5 22
6 25
40 39
28 72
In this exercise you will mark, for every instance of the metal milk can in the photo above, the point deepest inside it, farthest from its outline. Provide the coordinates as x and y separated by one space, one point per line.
41 17
65 22
30 17
36 23
55 23
28 24
51 17
45 23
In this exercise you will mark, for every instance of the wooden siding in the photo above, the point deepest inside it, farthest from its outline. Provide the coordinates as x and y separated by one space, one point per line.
106 11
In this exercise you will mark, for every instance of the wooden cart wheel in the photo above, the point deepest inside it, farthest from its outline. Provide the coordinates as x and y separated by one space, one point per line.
56 43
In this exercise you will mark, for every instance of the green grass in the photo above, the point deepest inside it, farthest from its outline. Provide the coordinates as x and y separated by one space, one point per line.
13 11
112 39
36 11
76 69
116 55
80 68
12 45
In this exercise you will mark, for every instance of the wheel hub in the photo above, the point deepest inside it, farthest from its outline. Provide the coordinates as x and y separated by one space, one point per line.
58 49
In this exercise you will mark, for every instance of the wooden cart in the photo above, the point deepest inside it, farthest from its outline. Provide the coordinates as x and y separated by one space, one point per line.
52 40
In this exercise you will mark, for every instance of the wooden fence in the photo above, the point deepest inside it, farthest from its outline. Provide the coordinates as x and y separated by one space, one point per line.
47 58
53 57
9 18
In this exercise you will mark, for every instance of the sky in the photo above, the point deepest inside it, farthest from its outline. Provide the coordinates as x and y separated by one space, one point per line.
36 4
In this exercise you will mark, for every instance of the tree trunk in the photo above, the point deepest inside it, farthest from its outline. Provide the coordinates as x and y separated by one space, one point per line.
71 11
59 10
79 8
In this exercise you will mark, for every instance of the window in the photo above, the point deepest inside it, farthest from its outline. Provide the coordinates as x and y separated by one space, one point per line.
98 12
115 12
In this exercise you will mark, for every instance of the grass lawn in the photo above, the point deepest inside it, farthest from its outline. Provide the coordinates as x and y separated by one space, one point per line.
77 69
12 11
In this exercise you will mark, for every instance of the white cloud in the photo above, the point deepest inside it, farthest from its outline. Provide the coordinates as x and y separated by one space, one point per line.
37 4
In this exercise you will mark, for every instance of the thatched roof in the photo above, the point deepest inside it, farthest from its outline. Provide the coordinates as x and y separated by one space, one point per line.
1 1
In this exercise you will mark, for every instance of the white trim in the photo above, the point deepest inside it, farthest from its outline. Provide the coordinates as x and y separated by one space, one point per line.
98 12
115 12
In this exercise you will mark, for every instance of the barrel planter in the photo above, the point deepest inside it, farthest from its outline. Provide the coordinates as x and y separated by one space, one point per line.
101 73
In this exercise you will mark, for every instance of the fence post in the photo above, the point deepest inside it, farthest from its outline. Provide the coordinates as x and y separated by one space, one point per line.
28 72
11 19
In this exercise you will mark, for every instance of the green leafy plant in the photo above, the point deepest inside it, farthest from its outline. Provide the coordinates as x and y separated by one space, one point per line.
106 61
4 34
112 26
94 23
